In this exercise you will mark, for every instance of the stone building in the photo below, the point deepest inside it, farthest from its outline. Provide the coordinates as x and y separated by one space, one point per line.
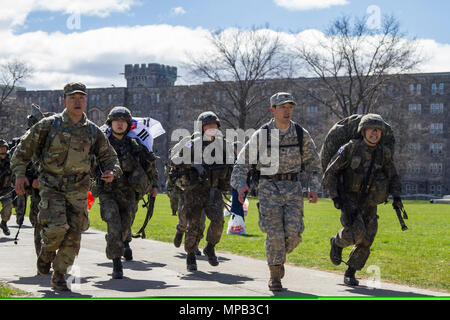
416 106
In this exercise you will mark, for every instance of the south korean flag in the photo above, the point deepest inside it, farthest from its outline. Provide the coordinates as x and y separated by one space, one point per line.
144 129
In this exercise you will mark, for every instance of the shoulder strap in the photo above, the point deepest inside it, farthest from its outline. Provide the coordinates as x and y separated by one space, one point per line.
54 128
299 130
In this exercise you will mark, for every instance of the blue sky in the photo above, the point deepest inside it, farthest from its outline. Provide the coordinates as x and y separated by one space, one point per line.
422 19
48 34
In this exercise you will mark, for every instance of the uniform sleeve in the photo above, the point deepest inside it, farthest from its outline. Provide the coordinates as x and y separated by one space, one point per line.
243 163
337 163
312 163
106 154
30 145
148 162
395 186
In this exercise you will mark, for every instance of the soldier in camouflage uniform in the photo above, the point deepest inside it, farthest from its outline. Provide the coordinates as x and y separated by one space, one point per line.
119 199
172 193
177 192
202 185
32 173
359 177
6 193
280 191
64 144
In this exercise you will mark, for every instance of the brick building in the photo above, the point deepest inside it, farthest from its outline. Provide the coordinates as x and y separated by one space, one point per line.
416 106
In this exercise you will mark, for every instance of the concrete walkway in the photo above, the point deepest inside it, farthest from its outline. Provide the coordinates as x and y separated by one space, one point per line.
159 270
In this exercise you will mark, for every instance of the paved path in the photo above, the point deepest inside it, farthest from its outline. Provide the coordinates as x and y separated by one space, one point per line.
159 270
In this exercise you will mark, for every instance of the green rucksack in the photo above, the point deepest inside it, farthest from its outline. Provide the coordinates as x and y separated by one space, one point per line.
345 130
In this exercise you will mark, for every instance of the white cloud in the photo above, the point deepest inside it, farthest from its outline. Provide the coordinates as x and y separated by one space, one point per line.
309 4
14 13
96 57
178 11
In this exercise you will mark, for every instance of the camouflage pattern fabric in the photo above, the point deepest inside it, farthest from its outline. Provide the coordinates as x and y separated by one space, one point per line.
197 206
201 198
352 162
345 130
64 176
119 200
5 189
281 202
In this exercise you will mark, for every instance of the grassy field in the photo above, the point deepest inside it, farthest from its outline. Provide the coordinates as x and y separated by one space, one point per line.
417 257
7 291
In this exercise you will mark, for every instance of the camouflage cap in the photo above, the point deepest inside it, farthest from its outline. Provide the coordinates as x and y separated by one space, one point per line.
74 87
281 98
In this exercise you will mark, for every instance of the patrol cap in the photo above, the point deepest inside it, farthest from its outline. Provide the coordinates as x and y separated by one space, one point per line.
281 98
74 87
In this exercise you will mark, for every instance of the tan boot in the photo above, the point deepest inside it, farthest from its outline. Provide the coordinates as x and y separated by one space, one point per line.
275 277
58 282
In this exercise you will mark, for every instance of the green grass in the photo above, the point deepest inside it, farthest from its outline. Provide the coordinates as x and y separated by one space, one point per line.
8 292
417 257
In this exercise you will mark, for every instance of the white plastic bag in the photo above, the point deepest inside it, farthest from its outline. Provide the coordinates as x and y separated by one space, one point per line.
236 225
227 212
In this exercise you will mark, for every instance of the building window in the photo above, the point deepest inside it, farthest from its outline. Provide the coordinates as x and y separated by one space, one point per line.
433 88
436 148
413 168
411 89
94 115
441 88
157 98
419 89
415 108
312 109
436 108
436 128
415 126
413 147
436 168
411 188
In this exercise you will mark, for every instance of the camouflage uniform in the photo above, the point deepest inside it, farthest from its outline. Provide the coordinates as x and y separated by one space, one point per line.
280 191
202 195
5 192
119 199
281 202
64 175
344 179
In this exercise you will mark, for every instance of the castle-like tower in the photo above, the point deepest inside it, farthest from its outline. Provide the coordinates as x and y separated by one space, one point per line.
153 75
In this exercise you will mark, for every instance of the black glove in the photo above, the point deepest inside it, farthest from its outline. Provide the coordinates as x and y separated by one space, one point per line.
338 203
397 204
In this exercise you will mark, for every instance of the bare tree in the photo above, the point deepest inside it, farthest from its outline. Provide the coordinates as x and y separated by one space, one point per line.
237 67
353 63
12 74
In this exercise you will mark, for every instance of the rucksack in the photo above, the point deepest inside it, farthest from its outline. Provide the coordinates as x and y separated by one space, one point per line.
345 130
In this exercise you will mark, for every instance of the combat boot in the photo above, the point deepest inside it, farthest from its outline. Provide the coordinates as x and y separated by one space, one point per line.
127 252
178 238
58 282
349 277
275 278
5 228
335 252
117 269
44 261
191 262
209 252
